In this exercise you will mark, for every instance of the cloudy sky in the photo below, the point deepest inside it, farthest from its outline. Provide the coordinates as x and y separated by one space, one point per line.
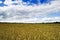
29 11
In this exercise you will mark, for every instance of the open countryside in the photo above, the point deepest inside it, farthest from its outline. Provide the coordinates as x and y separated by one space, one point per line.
16 31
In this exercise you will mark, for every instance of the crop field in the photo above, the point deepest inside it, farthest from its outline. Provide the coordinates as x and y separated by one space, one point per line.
16 31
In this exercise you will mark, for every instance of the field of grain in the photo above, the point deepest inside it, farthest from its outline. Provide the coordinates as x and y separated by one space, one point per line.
29 31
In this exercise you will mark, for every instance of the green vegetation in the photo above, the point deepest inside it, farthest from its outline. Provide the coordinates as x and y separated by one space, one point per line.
29 31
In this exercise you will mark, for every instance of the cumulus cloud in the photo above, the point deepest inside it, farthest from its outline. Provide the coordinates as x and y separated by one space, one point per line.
29 14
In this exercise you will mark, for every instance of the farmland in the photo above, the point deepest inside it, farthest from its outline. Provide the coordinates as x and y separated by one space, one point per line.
16 31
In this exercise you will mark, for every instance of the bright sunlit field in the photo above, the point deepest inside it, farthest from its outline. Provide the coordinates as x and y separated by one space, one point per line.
29 31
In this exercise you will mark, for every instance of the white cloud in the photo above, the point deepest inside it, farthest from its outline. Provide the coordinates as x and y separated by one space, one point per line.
0 1
29 14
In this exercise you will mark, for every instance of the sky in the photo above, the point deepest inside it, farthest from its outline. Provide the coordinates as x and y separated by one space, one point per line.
30 11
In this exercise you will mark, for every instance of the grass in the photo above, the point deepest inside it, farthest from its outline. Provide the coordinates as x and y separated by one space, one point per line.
29 31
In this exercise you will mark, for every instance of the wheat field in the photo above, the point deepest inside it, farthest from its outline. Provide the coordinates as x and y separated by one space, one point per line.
16 31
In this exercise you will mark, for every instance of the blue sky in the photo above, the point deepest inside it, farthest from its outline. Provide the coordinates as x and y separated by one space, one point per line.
33 1
29 11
